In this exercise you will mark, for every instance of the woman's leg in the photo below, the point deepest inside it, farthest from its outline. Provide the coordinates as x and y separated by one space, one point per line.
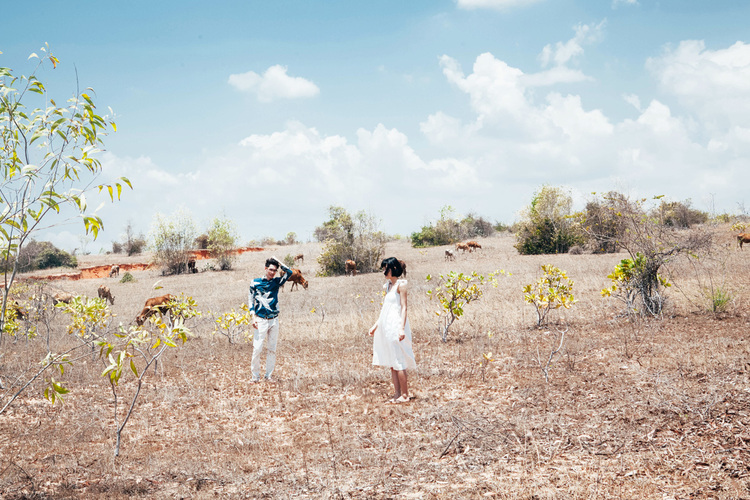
396 384
403 386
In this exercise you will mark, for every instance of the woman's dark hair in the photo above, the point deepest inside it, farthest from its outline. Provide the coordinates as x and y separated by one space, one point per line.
394 265
274 262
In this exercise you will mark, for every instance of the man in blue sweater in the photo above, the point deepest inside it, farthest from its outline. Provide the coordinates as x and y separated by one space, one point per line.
264 301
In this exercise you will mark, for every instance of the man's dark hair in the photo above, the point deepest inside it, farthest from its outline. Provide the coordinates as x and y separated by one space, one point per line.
394 265
274 262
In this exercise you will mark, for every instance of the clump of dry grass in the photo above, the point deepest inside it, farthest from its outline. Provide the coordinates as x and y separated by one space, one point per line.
649 409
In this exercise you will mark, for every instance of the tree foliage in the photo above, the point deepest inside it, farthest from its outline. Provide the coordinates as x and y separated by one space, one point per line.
348 237
552 290
222 241
172 239
48 160
545 226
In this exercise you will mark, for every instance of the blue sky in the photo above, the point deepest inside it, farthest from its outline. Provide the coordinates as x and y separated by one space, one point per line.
269 112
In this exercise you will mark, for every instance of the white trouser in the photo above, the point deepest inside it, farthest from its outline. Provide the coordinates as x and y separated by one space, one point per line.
267 329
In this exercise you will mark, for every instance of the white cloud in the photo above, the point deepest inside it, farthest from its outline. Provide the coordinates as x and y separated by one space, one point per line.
563 53
274 84
713 84
493 4
617 3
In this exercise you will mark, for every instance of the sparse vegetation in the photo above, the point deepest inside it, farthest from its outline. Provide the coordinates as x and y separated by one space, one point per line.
448 229
498 425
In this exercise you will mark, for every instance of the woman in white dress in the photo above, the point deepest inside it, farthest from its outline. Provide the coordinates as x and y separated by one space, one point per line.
391 346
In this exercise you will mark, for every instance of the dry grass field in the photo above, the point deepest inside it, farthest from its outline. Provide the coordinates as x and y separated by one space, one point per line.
657 409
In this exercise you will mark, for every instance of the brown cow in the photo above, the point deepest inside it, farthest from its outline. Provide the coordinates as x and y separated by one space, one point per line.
154 305
192 268
297 279
351 267
473 245
403 267
105 294
449 255
743 238
114 271
62 297
299 258
463 247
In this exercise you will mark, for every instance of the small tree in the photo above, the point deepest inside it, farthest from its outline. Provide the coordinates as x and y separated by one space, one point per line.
602 227
358 238
222 240
138 348
172 239
133 244
552 290
651 245
48 161
235 325
454 291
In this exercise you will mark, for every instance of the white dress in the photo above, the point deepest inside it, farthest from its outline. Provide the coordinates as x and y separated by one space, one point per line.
386 348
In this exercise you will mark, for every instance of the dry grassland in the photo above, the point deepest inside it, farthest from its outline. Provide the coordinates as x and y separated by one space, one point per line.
660 409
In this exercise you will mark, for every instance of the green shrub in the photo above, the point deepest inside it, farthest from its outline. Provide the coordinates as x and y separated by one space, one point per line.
546 225
127 278
43 255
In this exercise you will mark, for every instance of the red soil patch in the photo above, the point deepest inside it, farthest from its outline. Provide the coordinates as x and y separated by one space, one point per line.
103 271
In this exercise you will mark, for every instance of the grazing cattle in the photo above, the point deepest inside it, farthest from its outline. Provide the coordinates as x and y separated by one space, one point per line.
62 297
154 305
403 267
297 279
299 258
449 255
473 245
114 271
351 268
743 238
463 247
105 294
192 266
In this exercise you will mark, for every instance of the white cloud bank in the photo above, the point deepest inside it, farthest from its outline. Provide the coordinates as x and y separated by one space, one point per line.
692 142
493 4
274 84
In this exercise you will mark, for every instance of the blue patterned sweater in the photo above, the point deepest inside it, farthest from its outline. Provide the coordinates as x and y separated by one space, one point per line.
263 298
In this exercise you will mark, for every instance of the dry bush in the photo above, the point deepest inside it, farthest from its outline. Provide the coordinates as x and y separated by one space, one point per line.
668 416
